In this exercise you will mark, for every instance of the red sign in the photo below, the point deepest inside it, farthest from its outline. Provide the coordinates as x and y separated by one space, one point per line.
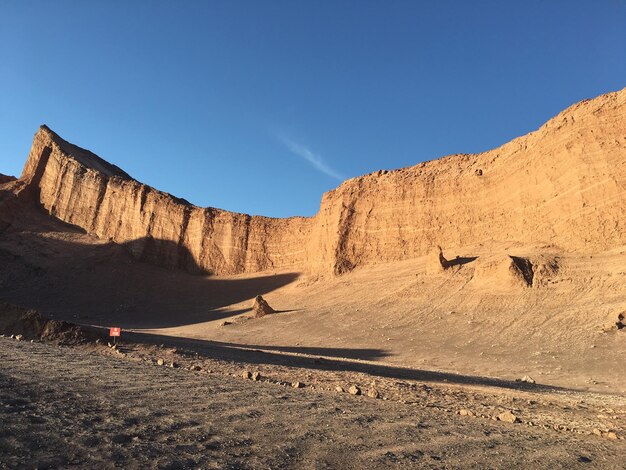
115 331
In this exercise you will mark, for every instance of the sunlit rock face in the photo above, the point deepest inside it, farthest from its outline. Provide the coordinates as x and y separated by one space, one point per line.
563 185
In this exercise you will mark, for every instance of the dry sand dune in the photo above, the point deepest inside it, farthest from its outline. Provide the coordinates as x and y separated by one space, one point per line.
471 269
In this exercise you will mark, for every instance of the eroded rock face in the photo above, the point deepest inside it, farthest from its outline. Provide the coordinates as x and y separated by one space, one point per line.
550 186
156 226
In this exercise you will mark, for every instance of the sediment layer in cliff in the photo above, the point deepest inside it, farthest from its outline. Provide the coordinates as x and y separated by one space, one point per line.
563 185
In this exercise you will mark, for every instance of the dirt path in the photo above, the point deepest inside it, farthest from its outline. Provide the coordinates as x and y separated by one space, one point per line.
76 406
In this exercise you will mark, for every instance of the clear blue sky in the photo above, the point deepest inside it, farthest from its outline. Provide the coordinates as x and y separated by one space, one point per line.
261 106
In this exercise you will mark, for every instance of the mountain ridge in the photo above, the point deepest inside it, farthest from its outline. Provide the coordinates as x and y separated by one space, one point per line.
541 188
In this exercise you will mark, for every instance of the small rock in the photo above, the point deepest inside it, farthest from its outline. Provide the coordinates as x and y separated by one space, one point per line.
508 417
196 368
297 384
226 323
373 393
260 307
528 379
610 435
465 412
19 337
160 362
478 172
173 365
246 374
596 431
339 389
256 376
12 336
354 390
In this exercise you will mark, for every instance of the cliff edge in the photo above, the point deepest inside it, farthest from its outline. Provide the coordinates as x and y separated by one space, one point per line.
563 185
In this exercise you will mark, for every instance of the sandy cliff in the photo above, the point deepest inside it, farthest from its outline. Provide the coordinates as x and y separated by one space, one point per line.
563 185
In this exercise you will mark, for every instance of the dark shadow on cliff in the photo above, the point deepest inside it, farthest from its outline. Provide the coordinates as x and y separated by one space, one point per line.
57 269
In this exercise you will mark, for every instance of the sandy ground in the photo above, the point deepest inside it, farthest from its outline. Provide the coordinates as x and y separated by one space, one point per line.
431 346
92 406
562 333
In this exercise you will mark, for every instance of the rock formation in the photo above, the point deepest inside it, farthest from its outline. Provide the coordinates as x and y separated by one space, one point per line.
504 271
6 178
562 185
436 262
260 307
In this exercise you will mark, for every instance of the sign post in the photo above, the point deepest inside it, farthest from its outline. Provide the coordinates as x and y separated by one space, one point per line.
115 331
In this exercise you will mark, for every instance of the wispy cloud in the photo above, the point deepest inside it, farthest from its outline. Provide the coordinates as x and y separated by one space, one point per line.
313 158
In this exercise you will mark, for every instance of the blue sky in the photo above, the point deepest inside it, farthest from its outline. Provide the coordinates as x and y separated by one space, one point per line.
261 106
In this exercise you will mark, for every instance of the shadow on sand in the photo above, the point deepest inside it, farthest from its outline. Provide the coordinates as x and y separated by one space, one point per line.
329 359
44 266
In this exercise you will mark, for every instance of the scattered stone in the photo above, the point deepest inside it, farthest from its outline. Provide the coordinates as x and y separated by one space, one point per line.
256 376
478 172
528 379
226 323
508 417
339 389
469 413
260 307
196 368
297 384
354 390
246 374
173 365
596 431
12 336
610 435
373 393
160 362
19 337
98 341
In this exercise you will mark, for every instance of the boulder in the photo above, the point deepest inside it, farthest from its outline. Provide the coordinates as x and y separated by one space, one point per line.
508 417
260 307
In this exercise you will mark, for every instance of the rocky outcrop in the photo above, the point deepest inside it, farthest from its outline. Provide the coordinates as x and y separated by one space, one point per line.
563 185
260 307
6 178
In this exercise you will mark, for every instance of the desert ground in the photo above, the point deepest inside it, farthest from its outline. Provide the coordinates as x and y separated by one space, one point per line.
98 407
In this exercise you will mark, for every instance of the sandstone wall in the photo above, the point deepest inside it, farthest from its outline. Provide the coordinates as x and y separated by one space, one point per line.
156 226
563 185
